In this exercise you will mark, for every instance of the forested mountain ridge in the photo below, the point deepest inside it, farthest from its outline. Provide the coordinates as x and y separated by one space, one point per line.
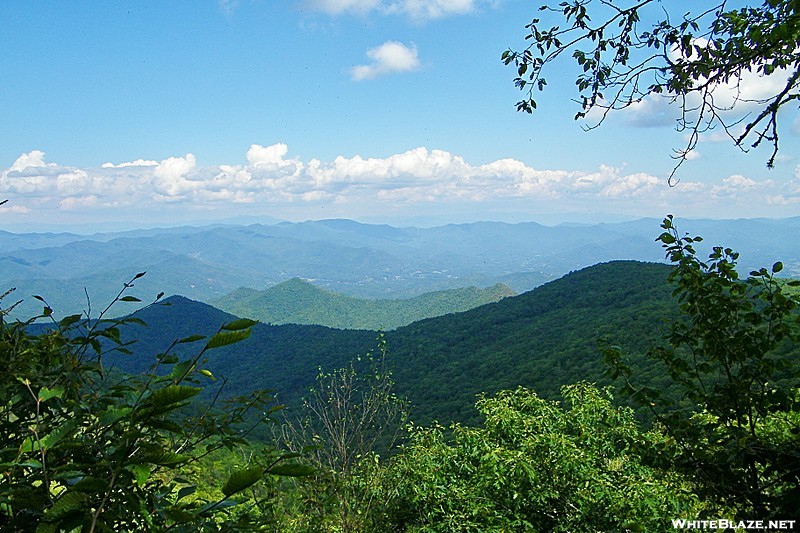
299 302
359 260
541 339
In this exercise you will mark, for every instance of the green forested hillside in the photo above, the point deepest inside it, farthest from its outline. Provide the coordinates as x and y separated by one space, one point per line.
299 302
360 260
583 455
282 358
541 339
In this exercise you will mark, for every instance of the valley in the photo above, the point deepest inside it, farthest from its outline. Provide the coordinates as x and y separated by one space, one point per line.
526 374
367 261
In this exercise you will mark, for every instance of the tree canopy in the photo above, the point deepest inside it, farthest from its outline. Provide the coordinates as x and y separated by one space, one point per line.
706 60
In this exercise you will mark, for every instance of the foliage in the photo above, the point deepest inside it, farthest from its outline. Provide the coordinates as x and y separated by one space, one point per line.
738 425
352 418
629 50
542 339
300 302
537 465
86 447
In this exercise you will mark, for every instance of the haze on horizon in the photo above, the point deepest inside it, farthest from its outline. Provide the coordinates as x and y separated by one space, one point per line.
128 115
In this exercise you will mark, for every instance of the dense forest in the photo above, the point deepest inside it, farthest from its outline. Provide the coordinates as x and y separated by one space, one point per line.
300 302
616 398
542 339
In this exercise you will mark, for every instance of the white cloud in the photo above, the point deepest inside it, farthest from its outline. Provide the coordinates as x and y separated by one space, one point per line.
32 159
417 10
261 155
431 9
388 58
268 180
75 182
137 163
13 209
336 7
78 202
735 184
733 100
739 181
169 177
652 111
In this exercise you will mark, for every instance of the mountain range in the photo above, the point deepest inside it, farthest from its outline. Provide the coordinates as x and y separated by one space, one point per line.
371 261
543 339
299 302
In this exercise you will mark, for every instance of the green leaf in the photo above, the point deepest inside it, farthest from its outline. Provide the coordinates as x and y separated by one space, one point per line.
113 415
67 321
181 369
134 320
777 267
224 504
27 464
166 425
28 445
242 323
68 502
129 299
292 470
192 338
45 393
172 395
224 338
140 472
91 484
166 458
55 436
178 515
186 491
241 479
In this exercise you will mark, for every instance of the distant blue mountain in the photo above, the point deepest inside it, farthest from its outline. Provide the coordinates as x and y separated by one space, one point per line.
351 258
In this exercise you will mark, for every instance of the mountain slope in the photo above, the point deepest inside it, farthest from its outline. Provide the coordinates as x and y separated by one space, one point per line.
359 260
541 339
299 302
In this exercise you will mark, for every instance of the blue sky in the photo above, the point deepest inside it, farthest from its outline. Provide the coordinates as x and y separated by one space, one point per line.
156 113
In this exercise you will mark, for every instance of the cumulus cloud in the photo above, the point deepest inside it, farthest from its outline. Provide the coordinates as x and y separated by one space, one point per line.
736 184
32 159
169 176
388 58
268 177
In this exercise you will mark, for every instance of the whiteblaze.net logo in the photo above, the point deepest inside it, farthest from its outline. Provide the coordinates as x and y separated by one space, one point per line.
722 523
